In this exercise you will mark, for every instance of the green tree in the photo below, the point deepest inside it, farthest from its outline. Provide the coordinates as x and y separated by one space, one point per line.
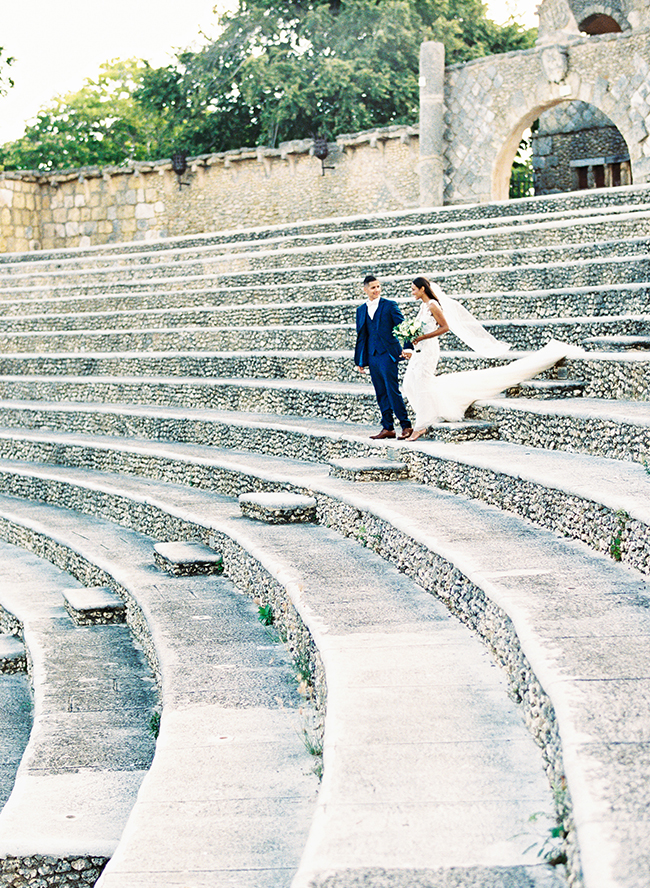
286 70
278 70
99 124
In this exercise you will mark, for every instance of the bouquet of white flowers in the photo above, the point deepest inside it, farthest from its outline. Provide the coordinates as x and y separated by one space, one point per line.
408 330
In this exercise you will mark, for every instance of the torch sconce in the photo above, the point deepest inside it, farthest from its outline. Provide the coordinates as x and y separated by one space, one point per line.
179 166
321 151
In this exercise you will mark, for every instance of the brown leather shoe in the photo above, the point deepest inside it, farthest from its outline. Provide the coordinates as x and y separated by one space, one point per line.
385 433
405 433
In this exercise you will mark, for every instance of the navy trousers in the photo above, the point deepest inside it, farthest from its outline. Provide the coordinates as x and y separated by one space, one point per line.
383 372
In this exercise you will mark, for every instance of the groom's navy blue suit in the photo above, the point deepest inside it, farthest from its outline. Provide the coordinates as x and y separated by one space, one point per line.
379 349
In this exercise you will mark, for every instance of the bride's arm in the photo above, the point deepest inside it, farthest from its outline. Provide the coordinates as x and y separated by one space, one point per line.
439 318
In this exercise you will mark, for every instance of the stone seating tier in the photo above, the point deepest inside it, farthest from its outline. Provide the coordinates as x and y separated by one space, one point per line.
551 488
85 771
459 274
537 540
398 524
535 242
579 206
90 741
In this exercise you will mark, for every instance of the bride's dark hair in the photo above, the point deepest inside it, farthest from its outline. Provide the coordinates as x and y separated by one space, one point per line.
423 284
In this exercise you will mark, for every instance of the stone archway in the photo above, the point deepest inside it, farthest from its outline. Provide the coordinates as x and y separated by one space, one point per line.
486 104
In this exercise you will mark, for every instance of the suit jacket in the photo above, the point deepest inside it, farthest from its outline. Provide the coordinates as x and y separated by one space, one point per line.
387 316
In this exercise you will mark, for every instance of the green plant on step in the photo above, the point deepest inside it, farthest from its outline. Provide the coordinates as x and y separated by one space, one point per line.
551 849
367 539
265 614
615 547
312 738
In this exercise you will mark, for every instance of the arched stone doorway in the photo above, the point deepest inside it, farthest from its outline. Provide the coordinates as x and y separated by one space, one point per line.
572 147
473 123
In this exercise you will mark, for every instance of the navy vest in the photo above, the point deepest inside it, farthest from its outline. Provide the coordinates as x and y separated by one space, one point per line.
375 344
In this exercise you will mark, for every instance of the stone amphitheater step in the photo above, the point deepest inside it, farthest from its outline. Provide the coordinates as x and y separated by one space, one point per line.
609 428
230 703
556 209
358 245
480 812
571 610
535 245
258 326
90 743
286 304
487 276
592 499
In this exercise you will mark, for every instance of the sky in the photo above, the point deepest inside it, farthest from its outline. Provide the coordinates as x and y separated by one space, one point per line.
58 44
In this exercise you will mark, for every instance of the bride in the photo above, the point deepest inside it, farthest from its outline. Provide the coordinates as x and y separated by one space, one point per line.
447 397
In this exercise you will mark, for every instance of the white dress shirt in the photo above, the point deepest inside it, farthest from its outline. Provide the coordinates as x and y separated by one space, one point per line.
372 305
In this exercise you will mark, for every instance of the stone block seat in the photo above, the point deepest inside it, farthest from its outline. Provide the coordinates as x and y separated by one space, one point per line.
470 629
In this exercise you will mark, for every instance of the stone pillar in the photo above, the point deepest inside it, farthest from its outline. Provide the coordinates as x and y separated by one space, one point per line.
432 123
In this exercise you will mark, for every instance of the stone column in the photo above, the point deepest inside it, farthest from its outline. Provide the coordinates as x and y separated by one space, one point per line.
432 123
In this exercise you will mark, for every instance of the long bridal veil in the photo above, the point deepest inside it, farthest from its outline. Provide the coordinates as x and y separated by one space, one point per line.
447 396
465 326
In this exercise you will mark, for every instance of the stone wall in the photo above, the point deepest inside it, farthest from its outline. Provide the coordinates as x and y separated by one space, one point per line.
364 173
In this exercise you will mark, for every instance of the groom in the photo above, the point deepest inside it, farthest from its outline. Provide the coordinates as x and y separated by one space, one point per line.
379 349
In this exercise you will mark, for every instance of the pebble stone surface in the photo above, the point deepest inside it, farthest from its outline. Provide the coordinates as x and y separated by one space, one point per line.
203 390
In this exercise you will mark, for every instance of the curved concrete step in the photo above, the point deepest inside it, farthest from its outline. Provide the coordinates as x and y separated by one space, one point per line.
499 786
90 743
479 810
539 581
602 502
229 755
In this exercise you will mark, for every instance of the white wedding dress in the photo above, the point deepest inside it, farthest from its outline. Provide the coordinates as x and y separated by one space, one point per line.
447 397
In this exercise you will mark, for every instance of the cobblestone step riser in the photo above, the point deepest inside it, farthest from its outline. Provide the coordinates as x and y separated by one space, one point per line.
586 240
287 339
198 339
335 266
447 223
261 316
629 380
562 302
608 438
357 407
551 508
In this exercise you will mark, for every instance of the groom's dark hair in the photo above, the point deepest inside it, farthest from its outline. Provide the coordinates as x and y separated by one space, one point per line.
368 279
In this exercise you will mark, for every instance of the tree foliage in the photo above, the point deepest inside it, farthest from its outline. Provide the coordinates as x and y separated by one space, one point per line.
5 80
278 70
99 124
285 70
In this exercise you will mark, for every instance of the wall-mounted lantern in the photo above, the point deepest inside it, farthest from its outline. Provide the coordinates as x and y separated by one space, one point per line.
179 166
321 151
